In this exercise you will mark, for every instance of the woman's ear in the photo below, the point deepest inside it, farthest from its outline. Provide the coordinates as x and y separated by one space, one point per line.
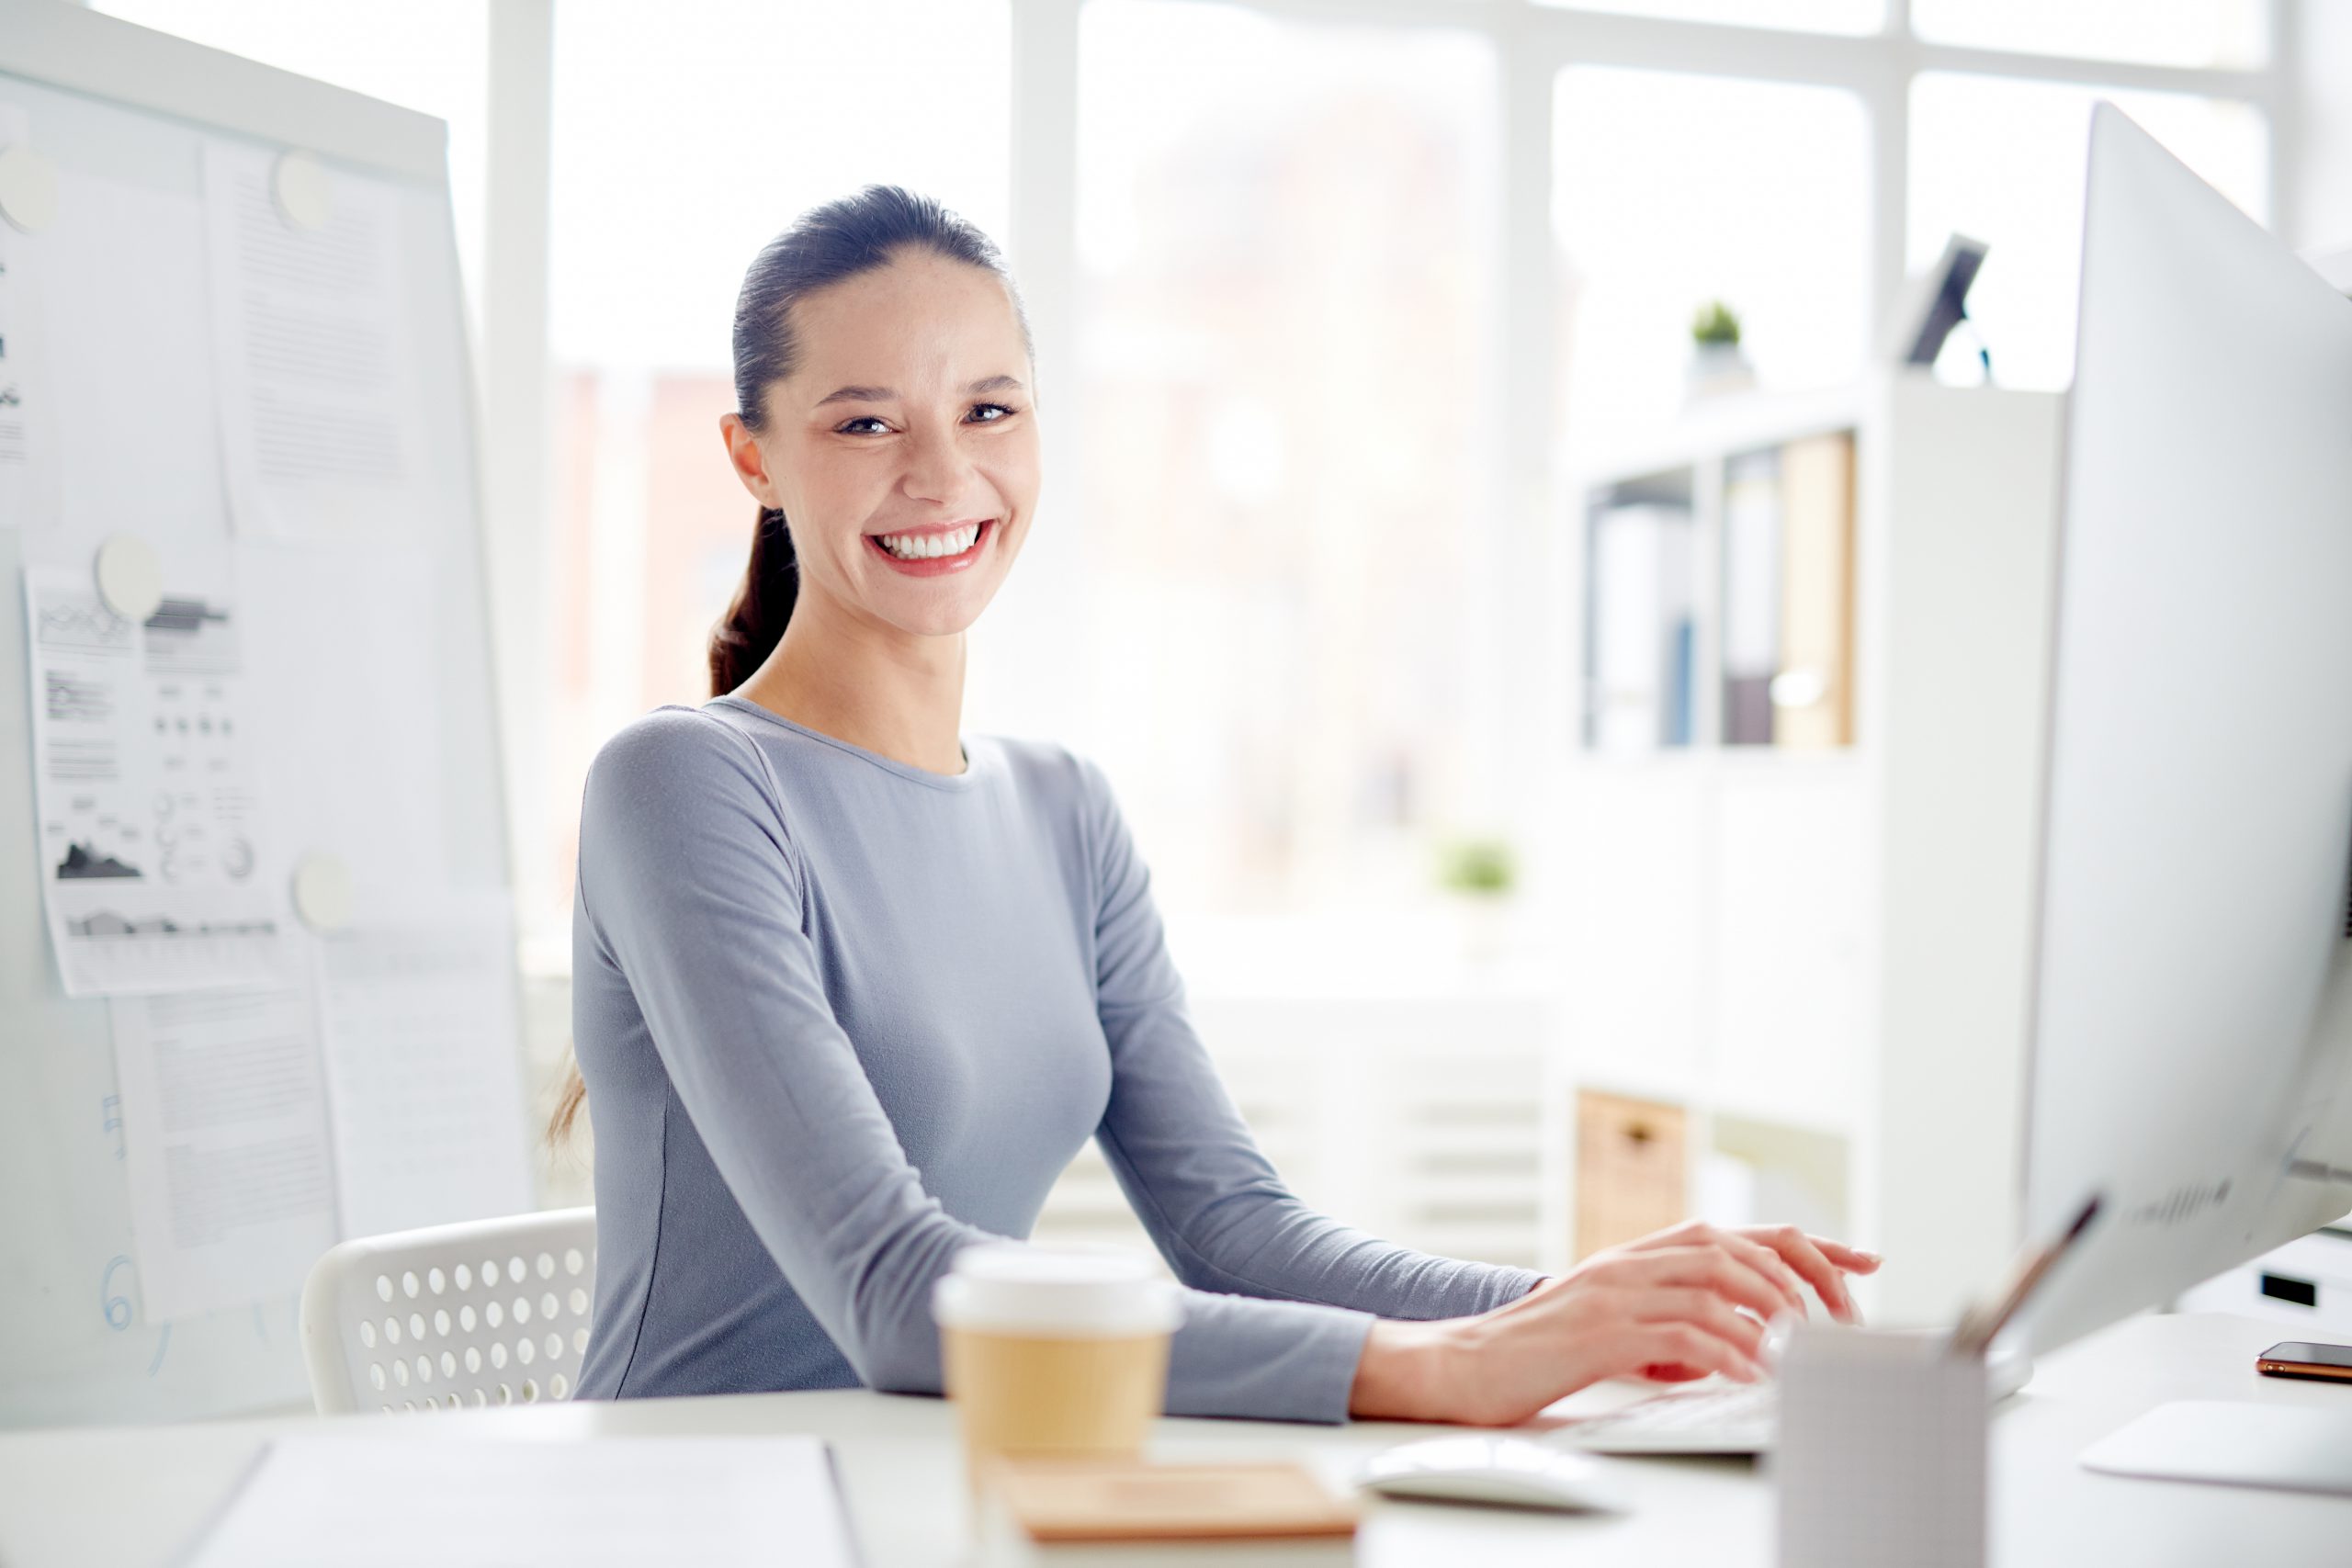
750 463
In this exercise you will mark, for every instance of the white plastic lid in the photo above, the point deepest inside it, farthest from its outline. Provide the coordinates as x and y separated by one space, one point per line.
1009 1287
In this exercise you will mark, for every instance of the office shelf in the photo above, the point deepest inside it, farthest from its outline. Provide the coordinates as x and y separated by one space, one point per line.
1816 956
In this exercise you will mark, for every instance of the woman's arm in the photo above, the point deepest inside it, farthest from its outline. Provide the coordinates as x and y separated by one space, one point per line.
1212 1204
692 883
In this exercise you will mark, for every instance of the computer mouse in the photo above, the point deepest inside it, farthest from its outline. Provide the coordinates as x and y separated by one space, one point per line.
1480 1467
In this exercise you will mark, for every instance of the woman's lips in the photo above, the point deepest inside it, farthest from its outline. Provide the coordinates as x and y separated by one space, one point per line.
935 566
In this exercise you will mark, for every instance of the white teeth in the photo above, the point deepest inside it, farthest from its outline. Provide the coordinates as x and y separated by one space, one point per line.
924 547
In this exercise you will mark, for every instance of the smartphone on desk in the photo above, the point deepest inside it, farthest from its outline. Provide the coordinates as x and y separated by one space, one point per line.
2303 1359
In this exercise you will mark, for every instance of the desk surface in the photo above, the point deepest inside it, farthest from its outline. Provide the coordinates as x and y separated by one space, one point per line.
97 1497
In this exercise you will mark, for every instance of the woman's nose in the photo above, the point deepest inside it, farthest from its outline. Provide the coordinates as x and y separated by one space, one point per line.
937 468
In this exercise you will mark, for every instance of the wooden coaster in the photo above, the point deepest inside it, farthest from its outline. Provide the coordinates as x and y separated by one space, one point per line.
1056 1500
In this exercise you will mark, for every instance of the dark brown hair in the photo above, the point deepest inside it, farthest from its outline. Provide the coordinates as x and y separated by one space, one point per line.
827 245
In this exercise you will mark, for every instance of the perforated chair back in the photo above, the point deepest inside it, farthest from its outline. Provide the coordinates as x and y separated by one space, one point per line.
489 1312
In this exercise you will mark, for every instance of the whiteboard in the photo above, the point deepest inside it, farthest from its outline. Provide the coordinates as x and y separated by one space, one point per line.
124 115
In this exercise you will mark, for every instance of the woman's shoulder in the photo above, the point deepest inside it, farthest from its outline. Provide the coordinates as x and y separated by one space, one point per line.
674 749
676 785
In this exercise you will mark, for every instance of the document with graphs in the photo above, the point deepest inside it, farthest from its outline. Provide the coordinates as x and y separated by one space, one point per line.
153 870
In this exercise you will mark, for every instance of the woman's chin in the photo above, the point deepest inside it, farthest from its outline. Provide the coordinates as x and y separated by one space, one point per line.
940 618
935 606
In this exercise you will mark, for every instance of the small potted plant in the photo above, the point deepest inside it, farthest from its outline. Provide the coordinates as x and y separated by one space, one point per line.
1716 363
1480 873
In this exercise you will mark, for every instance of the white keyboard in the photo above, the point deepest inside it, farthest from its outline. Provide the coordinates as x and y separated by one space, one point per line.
1719 1417
1722 1418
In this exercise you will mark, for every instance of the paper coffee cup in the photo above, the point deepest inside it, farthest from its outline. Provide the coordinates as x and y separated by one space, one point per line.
1054 1351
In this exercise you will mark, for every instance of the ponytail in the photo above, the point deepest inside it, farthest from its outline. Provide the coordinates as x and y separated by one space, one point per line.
754 621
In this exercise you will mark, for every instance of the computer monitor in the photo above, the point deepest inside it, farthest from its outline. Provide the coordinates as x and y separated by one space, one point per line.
2191 1020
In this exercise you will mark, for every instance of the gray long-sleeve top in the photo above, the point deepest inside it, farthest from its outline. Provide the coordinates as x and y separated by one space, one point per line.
841 1017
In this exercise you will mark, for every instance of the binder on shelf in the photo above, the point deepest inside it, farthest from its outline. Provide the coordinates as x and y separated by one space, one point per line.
1641 601
1631 1170
1751 588
1812 694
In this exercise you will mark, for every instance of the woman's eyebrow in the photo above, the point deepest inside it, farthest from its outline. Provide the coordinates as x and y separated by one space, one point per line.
858 395
885 394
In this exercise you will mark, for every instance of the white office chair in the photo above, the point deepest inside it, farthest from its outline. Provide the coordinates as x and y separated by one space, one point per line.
489 1312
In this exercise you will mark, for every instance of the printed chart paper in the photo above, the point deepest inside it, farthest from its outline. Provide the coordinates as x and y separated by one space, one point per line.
153 873
319 418
225 1146
423 1067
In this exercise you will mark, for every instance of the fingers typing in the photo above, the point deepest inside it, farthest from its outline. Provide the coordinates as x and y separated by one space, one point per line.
1826 1279
1703 1310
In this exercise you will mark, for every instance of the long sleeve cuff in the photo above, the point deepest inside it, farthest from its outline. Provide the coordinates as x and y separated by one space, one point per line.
1271 1361
1508 1284
1446 1287
1275 1360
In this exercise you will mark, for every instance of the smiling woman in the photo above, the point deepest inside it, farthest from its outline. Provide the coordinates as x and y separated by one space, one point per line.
851 987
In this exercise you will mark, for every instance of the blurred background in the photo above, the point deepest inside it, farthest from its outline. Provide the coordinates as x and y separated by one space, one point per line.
1348 315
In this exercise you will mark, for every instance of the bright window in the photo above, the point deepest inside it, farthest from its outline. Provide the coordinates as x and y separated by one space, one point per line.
1289 280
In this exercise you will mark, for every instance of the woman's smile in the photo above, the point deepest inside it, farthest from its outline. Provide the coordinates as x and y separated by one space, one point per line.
936 550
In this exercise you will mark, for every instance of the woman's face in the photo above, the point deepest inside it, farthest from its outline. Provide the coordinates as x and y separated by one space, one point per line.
909 417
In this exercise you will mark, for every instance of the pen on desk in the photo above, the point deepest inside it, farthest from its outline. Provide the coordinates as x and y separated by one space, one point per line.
1979 1323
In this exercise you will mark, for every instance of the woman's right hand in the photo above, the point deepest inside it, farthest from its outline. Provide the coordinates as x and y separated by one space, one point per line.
1680 1305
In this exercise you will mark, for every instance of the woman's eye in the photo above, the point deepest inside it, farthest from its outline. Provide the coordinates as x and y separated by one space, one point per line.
849 426
992 412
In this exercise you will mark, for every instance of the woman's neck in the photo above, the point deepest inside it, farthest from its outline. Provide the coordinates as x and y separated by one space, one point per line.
895 695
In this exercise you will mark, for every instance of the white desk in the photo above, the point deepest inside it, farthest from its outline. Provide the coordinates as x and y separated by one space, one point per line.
93 1497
